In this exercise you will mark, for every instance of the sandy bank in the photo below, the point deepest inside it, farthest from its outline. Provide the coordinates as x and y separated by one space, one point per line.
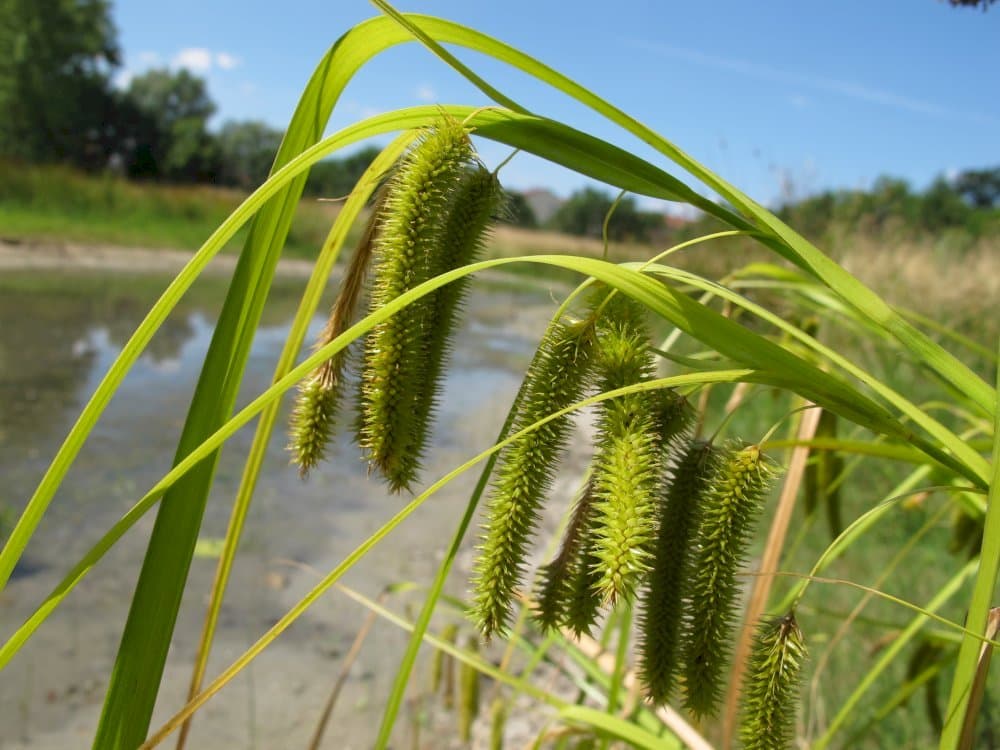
17 255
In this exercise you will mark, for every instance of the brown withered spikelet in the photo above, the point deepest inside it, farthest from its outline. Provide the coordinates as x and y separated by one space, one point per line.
557 377
410 238
313 416
663 597
770 685
728 515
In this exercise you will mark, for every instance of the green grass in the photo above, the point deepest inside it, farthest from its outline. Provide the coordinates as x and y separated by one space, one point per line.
52 203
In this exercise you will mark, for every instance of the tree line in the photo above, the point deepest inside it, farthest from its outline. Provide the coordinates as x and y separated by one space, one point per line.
61 105
969 201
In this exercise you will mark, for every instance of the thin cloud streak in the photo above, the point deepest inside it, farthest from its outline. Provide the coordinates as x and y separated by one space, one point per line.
847 89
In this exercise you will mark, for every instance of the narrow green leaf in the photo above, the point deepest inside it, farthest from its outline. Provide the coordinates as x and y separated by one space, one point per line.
780 237
615 726
980 604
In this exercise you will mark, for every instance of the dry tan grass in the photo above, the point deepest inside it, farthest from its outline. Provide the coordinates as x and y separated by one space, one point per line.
928 279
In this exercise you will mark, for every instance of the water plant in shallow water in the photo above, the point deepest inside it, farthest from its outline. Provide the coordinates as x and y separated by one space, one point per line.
663 518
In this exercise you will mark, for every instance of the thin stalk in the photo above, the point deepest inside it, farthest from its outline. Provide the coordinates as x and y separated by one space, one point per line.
769 562
890 653
345 671
848 619
402 678
980 605
621 658
419 629
978 690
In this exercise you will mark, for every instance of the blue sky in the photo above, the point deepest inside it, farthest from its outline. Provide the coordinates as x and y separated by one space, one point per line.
781 97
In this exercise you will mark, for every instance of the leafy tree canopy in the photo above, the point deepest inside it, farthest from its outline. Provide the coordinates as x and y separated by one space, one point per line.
586 209
172 131
55 68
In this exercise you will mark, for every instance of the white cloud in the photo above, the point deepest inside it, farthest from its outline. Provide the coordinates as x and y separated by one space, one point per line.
195 59
425 93
201 60
226 61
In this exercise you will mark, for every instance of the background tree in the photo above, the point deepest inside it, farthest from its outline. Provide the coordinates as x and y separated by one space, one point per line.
584 213
171 138
55 94
519 212
943 207
334 178
246 152
980 187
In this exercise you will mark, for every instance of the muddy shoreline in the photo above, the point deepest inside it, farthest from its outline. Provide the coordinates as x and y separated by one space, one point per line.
51 692
42 255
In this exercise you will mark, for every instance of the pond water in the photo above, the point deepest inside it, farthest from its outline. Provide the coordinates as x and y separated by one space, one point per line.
58 335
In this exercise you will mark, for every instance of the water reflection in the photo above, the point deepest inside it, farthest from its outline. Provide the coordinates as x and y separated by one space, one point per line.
58 336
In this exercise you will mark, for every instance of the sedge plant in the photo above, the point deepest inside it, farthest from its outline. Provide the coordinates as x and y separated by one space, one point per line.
667 516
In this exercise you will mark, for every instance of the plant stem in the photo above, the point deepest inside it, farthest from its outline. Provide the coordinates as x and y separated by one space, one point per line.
982 601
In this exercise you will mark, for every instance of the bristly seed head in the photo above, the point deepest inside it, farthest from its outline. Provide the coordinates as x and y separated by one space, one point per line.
730 511
628 464
408 252
770 685
315 412
663 607
555 584
557 378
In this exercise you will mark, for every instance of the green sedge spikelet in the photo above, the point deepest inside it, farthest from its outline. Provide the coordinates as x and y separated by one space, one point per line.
313 416
628 462
476 200
557 377
583 602
728 515
553 592
418 199
770 685
468 702
663 598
